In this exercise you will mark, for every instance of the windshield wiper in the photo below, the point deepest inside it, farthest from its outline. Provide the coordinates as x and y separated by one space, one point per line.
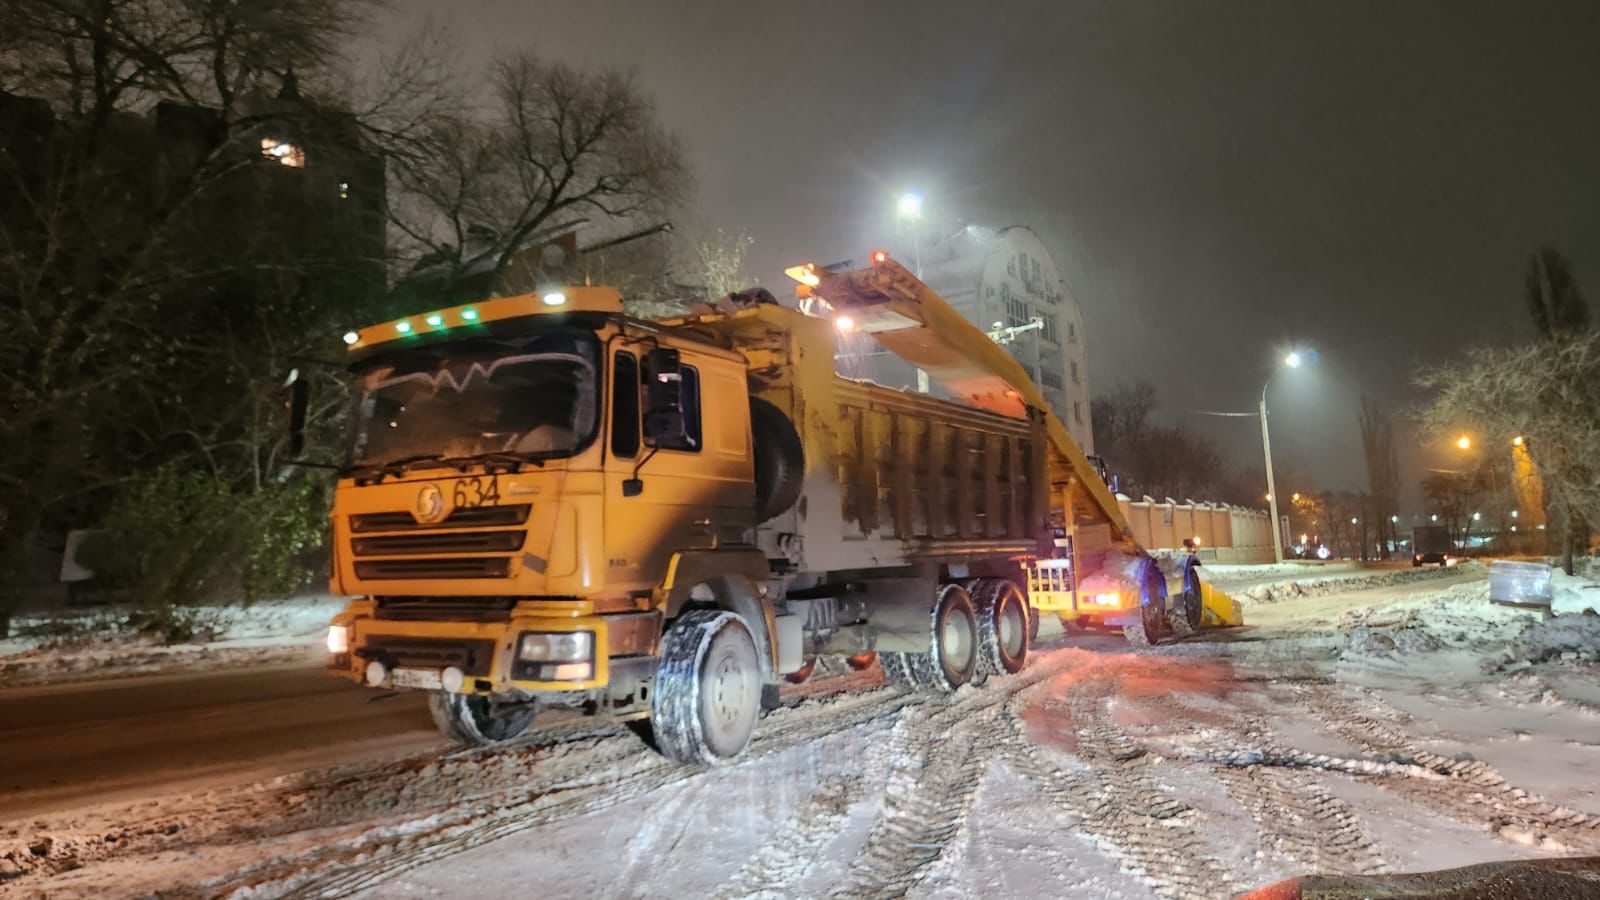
511 461
393 468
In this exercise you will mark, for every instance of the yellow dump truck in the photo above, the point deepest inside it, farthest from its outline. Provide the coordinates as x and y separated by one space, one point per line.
550 503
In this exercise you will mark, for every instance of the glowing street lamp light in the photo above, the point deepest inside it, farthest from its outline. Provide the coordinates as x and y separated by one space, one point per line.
1293 360
910 206
1464 442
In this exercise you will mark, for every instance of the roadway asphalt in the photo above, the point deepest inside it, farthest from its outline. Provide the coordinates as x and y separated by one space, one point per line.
74 743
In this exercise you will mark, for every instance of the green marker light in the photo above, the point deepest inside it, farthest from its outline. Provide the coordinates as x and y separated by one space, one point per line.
470 315
403 327
436 320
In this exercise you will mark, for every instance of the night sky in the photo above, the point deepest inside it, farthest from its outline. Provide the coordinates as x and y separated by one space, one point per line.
1216 180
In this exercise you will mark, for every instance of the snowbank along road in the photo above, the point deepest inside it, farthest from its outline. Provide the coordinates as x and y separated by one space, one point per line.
1405 726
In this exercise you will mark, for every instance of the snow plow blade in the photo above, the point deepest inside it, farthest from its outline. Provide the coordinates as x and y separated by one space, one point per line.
1547 879
1218 609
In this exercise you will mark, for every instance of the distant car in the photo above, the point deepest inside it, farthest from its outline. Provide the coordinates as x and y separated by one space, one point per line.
1431 544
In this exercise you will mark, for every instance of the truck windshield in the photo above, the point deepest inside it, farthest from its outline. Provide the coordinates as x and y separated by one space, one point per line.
531 397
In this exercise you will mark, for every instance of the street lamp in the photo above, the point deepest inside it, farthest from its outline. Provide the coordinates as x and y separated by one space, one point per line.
1464 442
910 209
1294 360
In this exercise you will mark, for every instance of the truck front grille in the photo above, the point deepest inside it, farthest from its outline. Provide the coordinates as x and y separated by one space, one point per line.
447 541
458 542
454 609
434 567
478 517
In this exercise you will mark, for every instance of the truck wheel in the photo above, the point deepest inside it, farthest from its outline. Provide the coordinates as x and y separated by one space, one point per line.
780 459
1003 624
477 720
708 688
952 656
1033 625
1186 618
1147 631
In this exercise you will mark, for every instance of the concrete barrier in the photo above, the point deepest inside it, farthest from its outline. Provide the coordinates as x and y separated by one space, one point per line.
1222 533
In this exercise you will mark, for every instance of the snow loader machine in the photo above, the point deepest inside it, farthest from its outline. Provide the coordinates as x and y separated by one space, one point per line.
549 503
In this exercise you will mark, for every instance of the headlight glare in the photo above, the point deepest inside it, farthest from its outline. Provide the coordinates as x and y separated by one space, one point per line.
338 639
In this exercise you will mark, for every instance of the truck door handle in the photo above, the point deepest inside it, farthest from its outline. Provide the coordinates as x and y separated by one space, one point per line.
702 521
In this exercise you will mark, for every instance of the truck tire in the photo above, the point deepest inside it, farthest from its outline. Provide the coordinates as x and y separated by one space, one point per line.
1004 621
779 459
951 659
1186 617
708 688
898 670
1147 631
478 721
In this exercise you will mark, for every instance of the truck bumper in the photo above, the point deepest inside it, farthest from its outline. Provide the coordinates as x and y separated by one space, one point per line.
418 654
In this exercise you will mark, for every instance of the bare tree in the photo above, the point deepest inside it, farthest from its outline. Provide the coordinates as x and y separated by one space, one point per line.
554 149
138 312
1548 394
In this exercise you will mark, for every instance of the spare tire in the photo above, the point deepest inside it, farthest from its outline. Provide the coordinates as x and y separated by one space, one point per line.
780 459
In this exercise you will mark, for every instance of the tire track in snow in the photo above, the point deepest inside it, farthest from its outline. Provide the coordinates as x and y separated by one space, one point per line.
360 864
1466 790
929 792
1303 821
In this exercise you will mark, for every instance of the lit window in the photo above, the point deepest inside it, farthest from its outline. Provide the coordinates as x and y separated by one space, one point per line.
283 153
344 190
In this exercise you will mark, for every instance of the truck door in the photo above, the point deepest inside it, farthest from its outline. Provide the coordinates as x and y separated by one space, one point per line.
678 492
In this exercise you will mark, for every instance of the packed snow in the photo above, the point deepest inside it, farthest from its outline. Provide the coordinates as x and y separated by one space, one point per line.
1396 721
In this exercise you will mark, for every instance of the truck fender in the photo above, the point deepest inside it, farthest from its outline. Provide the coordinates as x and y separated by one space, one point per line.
725 579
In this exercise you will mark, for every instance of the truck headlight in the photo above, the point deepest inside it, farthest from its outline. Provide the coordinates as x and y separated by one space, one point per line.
1108 598
556 647
338 639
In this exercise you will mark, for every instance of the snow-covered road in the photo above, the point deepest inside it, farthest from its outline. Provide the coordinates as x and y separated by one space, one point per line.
1402 727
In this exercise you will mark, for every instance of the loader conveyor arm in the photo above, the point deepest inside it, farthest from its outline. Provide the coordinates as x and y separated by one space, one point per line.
912 321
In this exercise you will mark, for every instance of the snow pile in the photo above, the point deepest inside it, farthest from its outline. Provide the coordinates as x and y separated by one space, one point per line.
1573 594
1278 592
1460 631
106 642
1566 637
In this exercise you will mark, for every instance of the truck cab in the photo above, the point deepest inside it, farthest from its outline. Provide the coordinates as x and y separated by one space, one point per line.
519 472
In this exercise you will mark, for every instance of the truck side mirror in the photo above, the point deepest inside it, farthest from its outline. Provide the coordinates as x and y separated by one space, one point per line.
663 397
297 401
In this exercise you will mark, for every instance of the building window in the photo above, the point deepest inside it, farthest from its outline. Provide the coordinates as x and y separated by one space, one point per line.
283 153
1077 411
1072 332
1011 266
1036 270
1049 329
1050 379
1016 310
1074 367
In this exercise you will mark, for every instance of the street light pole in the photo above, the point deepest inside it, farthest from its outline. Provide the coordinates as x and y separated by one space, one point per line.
1293 361
1272 489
